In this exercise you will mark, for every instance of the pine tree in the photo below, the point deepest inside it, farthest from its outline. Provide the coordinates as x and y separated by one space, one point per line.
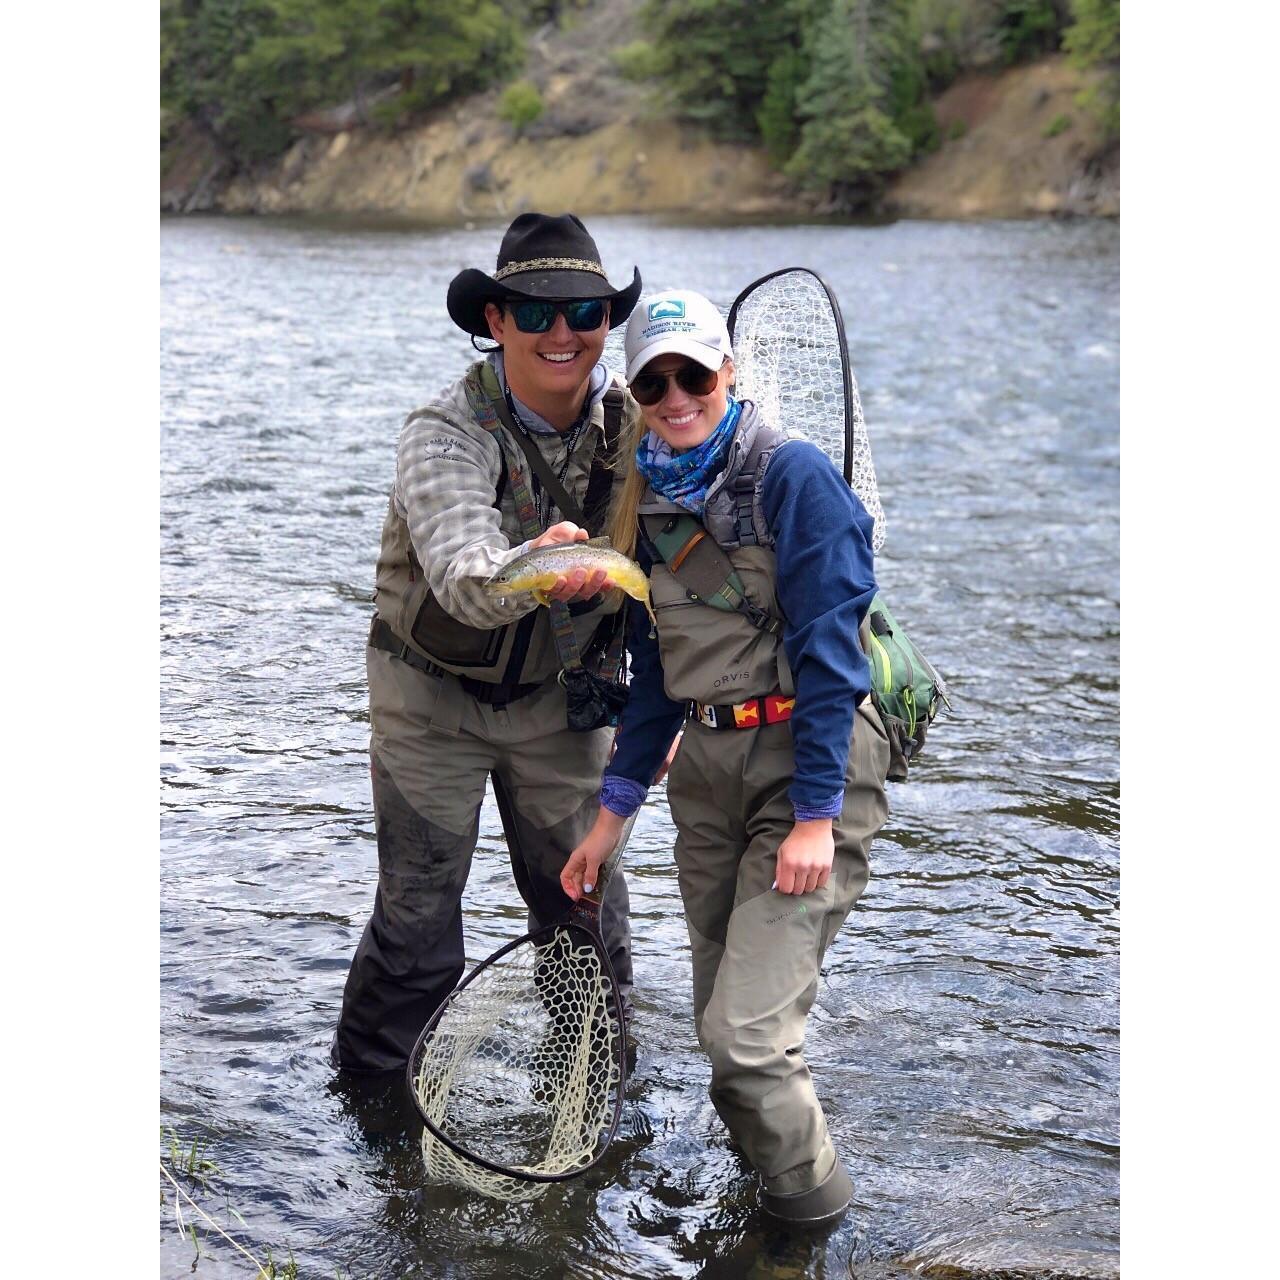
1093 43
849 140
716 55
776 117
245 68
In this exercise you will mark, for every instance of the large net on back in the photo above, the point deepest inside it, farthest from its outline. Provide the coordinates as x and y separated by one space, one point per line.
523 1067
790 359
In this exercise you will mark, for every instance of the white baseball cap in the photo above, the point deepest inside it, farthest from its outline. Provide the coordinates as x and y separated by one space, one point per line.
676 320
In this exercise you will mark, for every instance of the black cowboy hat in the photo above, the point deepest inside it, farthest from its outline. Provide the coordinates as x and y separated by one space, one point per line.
540 257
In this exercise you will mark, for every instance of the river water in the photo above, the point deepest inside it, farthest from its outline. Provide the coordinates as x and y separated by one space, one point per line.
965 1039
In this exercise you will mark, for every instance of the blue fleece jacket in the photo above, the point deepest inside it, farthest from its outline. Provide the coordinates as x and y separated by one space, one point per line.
826 581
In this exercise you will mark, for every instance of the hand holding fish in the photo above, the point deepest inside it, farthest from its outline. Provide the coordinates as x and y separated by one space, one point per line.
563 564
575 583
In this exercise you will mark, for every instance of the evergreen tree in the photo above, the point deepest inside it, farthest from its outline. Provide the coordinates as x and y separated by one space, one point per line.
717 56
849 140
200 42
1029 28
1093 43
776 117
331 50
244 68
443 48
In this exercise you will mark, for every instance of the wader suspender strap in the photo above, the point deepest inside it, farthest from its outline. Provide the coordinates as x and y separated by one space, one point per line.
498 403
699 565
744 492
595 503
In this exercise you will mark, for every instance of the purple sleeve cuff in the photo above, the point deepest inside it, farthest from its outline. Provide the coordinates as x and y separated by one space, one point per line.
807 813
622 796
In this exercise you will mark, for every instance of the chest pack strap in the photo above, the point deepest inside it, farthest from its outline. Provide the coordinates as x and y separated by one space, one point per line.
701 567
497 406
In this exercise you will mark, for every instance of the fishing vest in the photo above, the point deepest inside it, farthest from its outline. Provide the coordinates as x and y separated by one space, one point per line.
716 655
521 652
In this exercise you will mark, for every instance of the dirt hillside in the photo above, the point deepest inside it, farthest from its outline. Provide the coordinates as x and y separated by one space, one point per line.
1018 146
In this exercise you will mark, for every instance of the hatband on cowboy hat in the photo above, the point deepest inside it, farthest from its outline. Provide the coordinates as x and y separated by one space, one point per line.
540 257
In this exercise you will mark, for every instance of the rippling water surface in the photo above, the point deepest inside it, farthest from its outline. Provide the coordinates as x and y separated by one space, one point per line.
965 1040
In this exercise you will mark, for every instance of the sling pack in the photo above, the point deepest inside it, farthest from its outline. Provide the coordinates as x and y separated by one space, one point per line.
701 567
905 688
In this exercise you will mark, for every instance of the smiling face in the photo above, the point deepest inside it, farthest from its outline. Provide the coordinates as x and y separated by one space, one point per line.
684 421
546 367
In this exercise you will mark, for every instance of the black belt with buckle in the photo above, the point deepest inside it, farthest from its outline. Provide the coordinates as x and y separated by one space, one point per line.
382 637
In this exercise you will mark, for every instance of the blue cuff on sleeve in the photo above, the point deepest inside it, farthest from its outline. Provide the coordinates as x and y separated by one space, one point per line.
621 795
807 813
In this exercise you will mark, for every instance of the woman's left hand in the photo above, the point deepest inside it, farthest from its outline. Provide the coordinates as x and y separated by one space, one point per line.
805 857
579 874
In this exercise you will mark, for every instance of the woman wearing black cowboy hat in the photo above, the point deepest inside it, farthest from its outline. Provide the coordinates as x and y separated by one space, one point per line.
462 684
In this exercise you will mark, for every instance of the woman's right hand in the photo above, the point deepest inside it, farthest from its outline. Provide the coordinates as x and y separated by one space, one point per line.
577 584
583 868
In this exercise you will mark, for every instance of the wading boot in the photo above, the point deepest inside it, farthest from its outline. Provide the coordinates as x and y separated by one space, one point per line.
821 1206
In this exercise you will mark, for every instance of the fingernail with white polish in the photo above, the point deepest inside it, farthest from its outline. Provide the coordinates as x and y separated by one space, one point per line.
586 888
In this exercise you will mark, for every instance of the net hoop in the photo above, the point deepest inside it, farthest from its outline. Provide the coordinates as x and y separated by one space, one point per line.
785 346
581 923
846 464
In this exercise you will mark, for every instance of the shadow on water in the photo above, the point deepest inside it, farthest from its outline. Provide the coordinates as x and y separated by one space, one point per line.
964 1041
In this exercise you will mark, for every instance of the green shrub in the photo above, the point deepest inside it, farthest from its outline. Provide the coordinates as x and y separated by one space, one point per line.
1059 124
920 126
521 104
957 129
1092 43
1028 28
638 61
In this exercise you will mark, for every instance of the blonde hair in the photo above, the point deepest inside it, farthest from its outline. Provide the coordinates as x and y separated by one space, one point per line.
624 518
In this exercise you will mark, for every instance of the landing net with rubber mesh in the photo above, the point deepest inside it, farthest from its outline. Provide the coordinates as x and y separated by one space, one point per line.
792 360
523 1069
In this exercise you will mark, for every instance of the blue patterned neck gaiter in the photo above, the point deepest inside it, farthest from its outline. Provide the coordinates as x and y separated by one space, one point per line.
683 478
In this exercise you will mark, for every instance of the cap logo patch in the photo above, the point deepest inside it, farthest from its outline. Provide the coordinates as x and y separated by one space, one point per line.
670 309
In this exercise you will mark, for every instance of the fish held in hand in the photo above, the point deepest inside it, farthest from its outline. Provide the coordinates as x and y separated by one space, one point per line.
537 571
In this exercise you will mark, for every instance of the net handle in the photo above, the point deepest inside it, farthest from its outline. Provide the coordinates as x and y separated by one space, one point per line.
610 864
846 375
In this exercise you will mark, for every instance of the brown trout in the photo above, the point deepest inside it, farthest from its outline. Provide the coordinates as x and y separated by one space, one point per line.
537 571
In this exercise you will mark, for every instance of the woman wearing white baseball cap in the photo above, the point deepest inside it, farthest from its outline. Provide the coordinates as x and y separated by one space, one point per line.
760 564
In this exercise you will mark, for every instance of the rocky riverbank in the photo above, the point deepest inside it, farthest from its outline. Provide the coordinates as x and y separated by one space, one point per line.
1016 145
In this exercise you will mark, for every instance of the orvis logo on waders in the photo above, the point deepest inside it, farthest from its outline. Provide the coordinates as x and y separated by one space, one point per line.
668 309
801 910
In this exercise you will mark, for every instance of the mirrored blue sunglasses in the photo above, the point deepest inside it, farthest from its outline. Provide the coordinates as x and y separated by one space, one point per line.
538 317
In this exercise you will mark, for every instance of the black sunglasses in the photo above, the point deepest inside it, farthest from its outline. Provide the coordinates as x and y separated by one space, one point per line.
693 379
538 317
